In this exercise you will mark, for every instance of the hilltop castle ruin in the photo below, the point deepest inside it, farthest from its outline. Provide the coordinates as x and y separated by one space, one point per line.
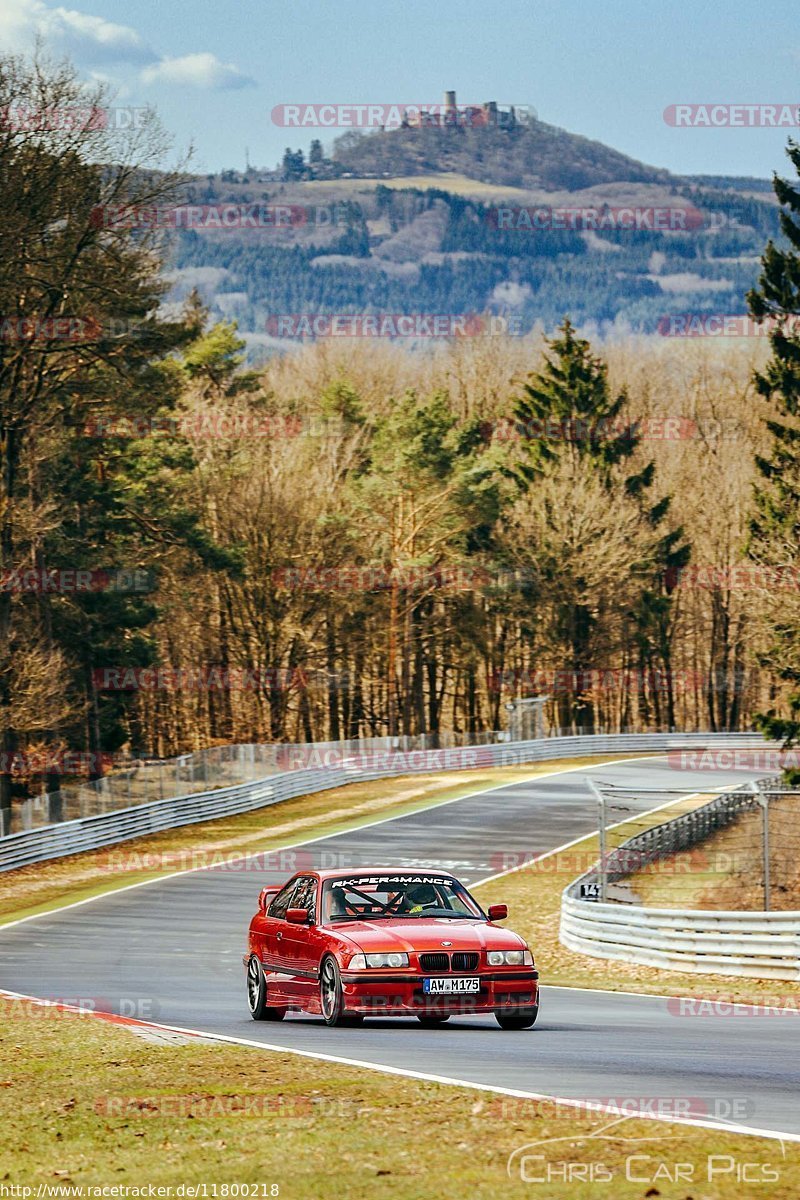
451 115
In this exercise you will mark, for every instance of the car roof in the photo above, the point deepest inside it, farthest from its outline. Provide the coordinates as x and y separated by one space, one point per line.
351 872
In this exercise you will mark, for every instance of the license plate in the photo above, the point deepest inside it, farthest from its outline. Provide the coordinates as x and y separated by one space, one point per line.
445 985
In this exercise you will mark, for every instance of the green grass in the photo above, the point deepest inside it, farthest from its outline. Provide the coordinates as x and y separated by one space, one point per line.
87 1103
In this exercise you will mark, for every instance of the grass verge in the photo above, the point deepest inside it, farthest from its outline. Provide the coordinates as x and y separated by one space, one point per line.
84 1103
727 870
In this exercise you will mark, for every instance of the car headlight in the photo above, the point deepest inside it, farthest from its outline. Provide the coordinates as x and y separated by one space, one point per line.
509 958
387 960
360 962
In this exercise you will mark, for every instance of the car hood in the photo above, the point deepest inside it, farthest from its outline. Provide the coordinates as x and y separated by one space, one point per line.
428 934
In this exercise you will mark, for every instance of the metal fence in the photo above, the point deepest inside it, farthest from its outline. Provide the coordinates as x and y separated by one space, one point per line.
287 771
763 945
661 841
143 781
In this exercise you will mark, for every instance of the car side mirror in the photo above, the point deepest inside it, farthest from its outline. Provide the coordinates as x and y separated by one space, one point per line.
498 912
263 899
297 916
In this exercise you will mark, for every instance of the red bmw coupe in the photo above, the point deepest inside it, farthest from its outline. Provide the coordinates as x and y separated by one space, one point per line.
385 943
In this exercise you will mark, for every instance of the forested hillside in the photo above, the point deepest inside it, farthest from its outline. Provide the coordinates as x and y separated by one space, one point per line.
361 538
411 250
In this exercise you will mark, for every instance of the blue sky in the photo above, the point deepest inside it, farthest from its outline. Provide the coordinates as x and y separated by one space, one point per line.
606 70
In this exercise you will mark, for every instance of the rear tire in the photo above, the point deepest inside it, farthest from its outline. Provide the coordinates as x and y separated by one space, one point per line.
331 996
257 994
516 1018
432 1020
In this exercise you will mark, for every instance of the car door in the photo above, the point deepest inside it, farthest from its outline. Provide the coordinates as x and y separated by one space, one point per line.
298 946
276 959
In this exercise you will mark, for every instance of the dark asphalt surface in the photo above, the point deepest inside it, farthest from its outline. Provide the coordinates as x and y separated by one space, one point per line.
171 952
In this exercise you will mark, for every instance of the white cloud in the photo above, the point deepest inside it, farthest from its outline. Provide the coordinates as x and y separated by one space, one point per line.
197 70
87 37
93 41
94 37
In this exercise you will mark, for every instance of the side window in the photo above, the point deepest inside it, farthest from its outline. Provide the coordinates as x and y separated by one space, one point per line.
285 899
306 896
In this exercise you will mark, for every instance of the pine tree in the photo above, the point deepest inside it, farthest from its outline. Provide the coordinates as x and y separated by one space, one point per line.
568 406
775 526
567 411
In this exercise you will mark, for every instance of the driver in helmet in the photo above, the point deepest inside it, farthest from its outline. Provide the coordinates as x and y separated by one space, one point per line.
421 896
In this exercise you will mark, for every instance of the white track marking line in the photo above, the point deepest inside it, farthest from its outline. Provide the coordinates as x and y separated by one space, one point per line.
584 837
428 1077
127 887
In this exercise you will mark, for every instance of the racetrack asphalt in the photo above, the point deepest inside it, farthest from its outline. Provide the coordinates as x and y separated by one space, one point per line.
171 951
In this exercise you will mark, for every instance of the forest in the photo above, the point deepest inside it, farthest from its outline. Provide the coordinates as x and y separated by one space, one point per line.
358 538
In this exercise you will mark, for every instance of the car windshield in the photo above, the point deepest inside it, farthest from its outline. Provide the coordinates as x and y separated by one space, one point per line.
401 896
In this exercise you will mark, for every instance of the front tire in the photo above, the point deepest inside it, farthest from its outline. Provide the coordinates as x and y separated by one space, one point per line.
516 1018
257 994
331 995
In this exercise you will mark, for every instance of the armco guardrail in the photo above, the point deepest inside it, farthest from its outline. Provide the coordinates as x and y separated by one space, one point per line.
124 823
763 945
142 780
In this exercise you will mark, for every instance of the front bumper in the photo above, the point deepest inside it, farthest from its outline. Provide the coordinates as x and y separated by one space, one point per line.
392 993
